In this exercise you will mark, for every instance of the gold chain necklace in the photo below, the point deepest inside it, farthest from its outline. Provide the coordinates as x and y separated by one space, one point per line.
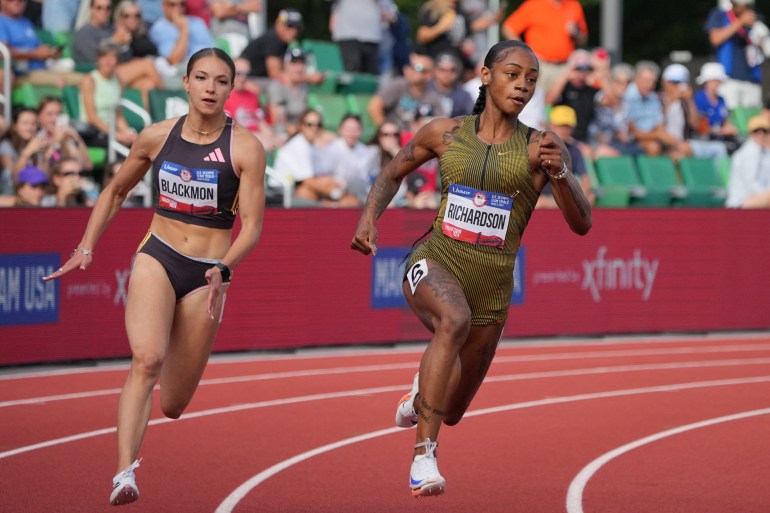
209 132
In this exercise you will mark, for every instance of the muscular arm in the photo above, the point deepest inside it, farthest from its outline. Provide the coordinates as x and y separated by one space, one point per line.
250 159
550 156
429 142
110 200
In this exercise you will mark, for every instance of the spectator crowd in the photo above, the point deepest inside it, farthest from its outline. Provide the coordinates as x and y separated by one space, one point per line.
600 107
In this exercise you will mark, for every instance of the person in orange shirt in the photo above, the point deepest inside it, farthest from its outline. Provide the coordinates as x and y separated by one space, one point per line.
553 29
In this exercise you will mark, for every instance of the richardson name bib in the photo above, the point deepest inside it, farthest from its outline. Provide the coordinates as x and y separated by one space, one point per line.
193 191
477 216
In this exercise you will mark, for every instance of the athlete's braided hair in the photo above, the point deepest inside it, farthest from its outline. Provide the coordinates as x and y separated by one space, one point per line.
493 56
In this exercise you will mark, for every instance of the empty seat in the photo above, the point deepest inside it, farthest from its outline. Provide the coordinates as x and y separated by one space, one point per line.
621 171
700 174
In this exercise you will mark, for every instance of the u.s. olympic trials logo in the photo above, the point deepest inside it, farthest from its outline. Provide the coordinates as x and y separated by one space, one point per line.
479 199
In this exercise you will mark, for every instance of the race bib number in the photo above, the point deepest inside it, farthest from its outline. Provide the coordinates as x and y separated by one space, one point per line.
476 216
416 273
193 191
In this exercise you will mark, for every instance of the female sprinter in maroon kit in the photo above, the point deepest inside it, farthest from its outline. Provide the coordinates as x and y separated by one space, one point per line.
206 169
460 279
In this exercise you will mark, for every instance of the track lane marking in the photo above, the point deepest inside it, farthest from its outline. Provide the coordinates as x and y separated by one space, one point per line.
578 484
227 360
411 365
232 500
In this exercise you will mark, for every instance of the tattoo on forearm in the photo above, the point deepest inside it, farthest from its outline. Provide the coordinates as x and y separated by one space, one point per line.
578 197
382 192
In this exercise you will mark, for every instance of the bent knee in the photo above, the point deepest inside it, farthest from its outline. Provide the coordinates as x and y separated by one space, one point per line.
147 364
173 410
456 326
173 413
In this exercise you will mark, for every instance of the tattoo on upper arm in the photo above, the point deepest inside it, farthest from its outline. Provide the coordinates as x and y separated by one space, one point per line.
408 152
451 135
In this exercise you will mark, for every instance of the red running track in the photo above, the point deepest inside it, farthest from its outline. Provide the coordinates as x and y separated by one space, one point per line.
624 425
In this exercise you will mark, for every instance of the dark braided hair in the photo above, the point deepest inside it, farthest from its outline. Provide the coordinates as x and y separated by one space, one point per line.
493 56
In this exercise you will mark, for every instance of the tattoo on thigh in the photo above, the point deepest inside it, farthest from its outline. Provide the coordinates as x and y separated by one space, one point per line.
445 289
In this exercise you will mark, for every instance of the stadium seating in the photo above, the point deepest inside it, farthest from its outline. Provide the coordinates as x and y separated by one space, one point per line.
607 196
326 56
660 172
29 95
740 117
700 175
167 103
621 171
332 107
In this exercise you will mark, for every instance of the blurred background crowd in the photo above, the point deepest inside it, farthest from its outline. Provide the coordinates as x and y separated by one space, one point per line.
86 75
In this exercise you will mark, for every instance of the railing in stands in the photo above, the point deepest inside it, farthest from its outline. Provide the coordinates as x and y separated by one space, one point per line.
114 147
5 96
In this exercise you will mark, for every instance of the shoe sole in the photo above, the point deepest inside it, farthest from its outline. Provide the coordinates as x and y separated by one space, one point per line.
126 495
430 490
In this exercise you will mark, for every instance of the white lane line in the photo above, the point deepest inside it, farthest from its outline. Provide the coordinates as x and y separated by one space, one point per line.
311 354
578 484
411 365
241 491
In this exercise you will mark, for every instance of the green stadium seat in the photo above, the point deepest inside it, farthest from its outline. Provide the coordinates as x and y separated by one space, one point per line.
701 176
332 107
167 103
740 117
607 196
134 96
621 171
724 170
326 56
659 172
71 100
29 95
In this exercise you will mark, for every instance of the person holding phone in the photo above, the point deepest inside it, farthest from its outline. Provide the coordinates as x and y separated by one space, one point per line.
28 53
730 34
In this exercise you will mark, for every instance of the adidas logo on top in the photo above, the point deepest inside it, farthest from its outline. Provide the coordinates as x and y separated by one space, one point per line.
215 156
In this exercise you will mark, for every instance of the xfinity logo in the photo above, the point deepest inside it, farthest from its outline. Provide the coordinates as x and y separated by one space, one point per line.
619 274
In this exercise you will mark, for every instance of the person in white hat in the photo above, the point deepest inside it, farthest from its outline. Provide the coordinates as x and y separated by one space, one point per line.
714 115
681 117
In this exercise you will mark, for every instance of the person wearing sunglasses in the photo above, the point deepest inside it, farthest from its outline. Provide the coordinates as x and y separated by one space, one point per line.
131 71
397 100
459 279
72 186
